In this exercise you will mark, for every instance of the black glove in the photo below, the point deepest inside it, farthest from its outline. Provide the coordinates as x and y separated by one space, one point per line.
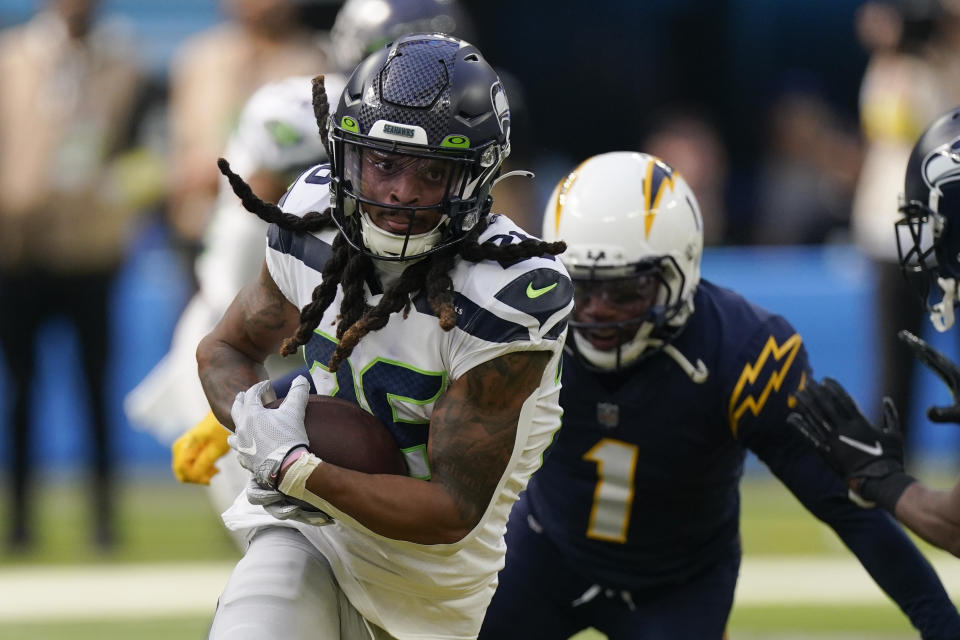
868 457
945 370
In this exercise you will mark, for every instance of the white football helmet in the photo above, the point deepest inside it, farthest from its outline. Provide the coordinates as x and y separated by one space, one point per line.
629 215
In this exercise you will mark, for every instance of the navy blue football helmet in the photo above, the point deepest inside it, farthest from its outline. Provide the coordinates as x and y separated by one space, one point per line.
425 102
928 233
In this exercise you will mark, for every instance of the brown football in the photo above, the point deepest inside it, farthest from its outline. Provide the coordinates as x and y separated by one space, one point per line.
344 434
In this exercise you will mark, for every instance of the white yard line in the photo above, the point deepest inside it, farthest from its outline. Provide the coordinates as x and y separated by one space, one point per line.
819 580
121 591
162 590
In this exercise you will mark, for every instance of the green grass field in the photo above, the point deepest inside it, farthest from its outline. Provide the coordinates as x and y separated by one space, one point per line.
164 522
159 521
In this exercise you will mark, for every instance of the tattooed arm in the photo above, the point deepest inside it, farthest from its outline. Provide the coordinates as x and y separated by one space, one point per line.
472 433
230 358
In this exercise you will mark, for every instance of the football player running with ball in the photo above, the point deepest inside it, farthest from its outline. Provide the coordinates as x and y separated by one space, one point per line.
632 524
868 457
413 300
277 131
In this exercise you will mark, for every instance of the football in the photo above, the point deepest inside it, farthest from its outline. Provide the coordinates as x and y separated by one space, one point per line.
344 434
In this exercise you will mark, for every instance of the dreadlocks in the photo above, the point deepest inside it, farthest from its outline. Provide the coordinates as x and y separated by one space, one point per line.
269 212
349 268
321 110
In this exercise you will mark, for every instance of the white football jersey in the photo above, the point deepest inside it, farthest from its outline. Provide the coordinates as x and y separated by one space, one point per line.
398 373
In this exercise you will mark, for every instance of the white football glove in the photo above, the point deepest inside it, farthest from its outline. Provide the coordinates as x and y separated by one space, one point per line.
264 437
283 508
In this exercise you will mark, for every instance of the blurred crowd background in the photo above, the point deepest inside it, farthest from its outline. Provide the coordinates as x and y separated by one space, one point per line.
791 120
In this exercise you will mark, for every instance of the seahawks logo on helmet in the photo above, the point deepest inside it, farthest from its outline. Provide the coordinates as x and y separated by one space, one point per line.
501 107
943 165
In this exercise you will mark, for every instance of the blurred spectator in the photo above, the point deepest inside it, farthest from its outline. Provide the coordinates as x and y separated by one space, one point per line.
808 174
689 143
70 88
211 76
941 20
904 88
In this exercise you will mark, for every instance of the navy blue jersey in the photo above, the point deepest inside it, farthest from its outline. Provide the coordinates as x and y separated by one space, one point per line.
640 490
645 472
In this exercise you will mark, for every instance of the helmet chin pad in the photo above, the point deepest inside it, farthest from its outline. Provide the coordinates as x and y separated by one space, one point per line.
615 359
381 242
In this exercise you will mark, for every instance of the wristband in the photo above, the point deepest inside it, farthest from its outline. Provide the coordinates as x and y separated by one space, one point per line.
290 459
885 492
277 474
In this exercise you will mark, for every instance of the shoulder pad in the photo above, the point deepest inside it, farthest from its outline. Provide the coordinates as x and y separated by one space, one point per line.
309 192
539 293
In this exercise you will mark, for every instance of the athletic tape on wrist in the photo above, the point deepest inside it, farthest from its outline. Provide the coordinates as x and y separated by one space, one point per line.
295 480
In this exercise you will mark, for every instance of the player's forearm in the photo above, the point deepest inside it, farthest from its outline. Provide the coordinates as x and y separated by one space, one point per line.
224 372
397 507
933 515
899 569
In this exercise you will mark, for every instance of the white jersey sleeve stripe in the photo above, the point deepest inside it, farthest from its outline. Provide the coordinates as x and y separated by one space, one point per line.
480 323
487 326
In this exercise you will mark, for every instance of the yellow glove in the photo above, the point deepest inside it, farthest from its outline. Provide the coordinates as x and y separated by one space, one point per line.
196 452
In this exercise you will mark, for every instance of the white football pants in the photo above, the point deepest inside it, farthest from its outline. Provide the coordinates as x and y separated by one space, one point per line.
283 587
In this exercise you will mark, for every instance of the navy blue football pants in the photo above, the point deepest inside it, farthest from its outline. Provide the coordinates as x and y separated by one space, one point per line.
538 589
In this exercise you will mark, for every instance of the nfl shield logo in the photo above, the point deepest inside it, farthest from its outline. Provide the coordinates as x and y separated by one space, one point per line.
608 414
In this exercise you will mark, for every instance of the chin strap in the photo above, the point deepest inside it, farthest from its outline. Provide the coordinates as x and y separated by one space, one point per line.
697 373
941 314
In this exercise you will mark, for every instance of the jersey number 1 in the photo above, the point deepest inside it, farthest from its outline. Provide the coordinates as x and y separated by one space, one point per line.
613 497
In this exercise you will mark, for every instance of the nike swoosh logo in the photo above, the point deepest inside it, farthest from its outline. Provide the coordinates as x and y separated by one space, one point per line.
249 451
874 450
536 293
